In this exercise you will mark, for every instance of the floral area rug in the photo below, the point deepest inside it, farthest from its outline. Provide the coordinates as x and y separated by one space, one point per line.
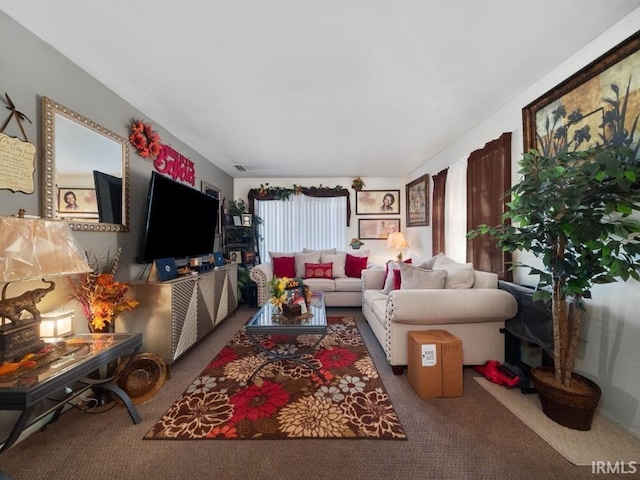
286 399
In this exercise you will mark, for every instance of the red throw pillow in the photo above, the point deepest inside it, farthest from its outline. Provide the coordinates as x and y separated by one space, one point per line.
397 279
318 270
353 266
284 267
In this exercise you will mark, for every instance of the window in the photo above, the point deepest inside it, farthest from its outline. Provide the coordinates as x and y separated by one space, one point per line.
301 222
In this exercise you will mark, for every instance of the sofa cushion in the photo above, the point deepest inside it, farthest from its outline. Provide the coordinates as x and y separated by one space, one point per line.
362 252
422 262
280 254
441 259
318 270
320 284
459 275
348 284
414 278
302 258
338 260
284 266
353 265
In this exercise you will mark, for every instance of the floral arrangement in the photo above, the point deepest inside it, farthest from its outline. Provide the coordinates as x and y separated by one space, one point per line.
278 290
357 183
145 139
283 193
101 297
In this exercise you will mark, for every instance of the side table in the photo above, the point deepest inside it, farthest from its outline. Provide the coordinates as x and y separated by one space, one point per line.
46 389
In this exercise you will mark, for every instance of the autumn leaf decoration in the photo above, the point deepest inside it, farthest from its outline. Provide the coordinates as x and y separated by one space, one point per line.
145 139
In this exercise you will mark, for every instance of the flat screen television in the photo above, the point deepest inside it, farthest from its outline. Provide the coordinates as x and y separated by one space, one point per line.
109 197
180 221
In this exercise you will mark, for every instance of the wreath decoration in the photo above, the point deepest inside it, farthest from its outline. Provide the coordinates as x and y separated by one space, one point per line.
145 139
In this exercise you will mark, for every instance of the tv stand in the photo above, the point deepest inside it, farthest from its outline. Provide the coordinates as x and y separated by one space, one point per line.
175 314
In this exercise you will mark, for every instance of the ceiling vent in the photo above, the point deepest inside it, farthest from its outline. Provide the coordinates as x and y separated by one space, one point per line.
239 167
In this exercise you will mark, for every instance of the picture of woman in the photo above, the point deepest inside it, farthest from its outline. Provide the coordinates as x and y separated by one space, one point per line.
70 201
387 201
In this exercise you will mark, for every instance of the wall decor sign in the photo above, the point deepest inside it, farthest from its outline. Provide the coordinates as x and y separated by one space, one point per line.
378 202
377 228
418 202
598 105
17 159
175 165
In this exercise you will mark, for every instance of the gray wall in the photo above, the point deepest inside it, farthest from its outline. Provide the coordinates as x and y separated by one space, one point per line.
31 69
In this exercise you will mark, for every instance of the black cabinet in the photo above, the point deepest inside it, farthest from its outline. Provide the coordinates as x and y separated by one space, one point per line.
239 242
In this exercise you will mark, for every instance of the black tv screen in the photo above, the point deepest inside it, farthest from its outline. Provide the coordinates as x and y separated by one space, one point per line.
109 197
180 221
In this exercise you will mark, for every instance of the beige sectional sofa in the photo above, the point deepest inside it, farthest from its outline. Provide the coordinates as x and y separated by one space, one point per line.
442 294
342 287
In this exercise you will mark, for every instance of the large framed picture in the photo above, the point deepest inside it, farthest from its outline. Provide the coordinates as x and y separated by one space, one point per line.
377 228
72 200
378 202
595 106
418 202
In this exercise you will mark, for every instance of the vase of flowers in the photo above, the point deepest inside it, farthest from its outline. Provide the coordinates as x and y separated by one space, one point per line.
100 296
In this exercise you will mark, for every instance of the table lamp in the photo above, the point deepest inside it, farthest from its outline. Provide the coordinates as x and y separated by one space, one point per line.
32 248
398 241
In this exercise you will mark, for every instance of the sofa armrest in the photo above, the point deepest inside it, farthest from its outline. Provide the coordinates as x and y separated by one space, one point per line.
373 278
469 305
262 275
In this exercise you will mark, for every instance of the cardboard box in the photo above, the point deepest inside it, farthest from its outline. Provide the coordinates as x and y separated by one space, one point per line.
435 363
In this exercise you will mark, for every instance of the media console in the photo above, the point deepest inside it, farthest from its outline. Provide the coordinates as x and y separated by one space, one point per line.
174 315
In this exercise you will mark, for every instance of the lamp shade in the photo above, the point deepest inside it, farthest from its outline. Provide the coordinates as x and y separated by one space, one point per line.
397 240
33 248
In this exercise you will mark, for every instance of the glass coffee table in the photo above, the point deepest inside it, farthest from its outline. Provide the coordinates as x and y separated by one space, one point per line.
268 322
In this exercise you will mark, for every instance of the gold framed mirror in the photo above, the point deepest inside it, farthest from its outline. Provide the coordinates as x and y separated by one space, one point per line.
85 171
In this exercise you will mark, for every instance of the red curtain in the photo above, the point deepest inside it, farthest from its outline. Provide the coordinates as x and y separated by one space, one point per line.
488 178
437 216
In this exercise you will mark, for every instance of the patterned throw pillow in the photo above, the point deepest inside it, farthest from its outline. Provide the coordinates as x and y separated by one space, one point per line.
318 270
284 267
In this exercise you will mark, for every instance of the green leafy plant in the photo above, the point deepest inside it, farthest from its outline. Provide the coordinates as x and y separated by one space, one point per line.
573 211
243 283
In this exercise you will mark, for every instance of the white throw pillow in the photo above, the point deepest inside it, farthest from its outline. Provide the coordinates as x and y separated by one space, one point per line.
422 262
459 275
413 278
442 259
389 281
327 250
338 260
357 253
302 258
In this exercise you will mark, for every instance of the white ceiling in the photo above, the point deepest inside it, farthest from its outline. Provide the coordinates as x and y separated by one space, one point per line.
300 88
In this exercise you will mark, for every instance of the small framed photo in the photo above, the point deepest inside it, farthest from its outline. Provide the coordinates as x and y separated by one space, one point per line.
295 296
77 200
235 256
228 219
249 257
378 202
237 221
377 228
247 219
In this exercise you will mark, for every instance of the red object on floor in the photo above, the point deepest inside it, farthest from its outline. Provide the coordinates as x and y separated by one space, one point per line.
492 372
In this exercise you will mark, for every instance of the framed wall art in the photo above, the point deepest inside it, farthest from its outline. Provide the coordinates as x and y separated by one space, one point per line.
72 200
418 202
377 228
598 105
378 202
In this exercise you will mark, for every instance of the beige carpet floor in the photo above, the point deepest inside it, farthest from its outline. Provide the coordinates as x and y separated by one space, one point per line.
604 442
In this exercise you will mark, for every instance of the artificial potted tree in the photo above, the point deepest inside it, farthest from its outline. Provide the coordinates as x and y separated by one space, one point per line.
573 211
